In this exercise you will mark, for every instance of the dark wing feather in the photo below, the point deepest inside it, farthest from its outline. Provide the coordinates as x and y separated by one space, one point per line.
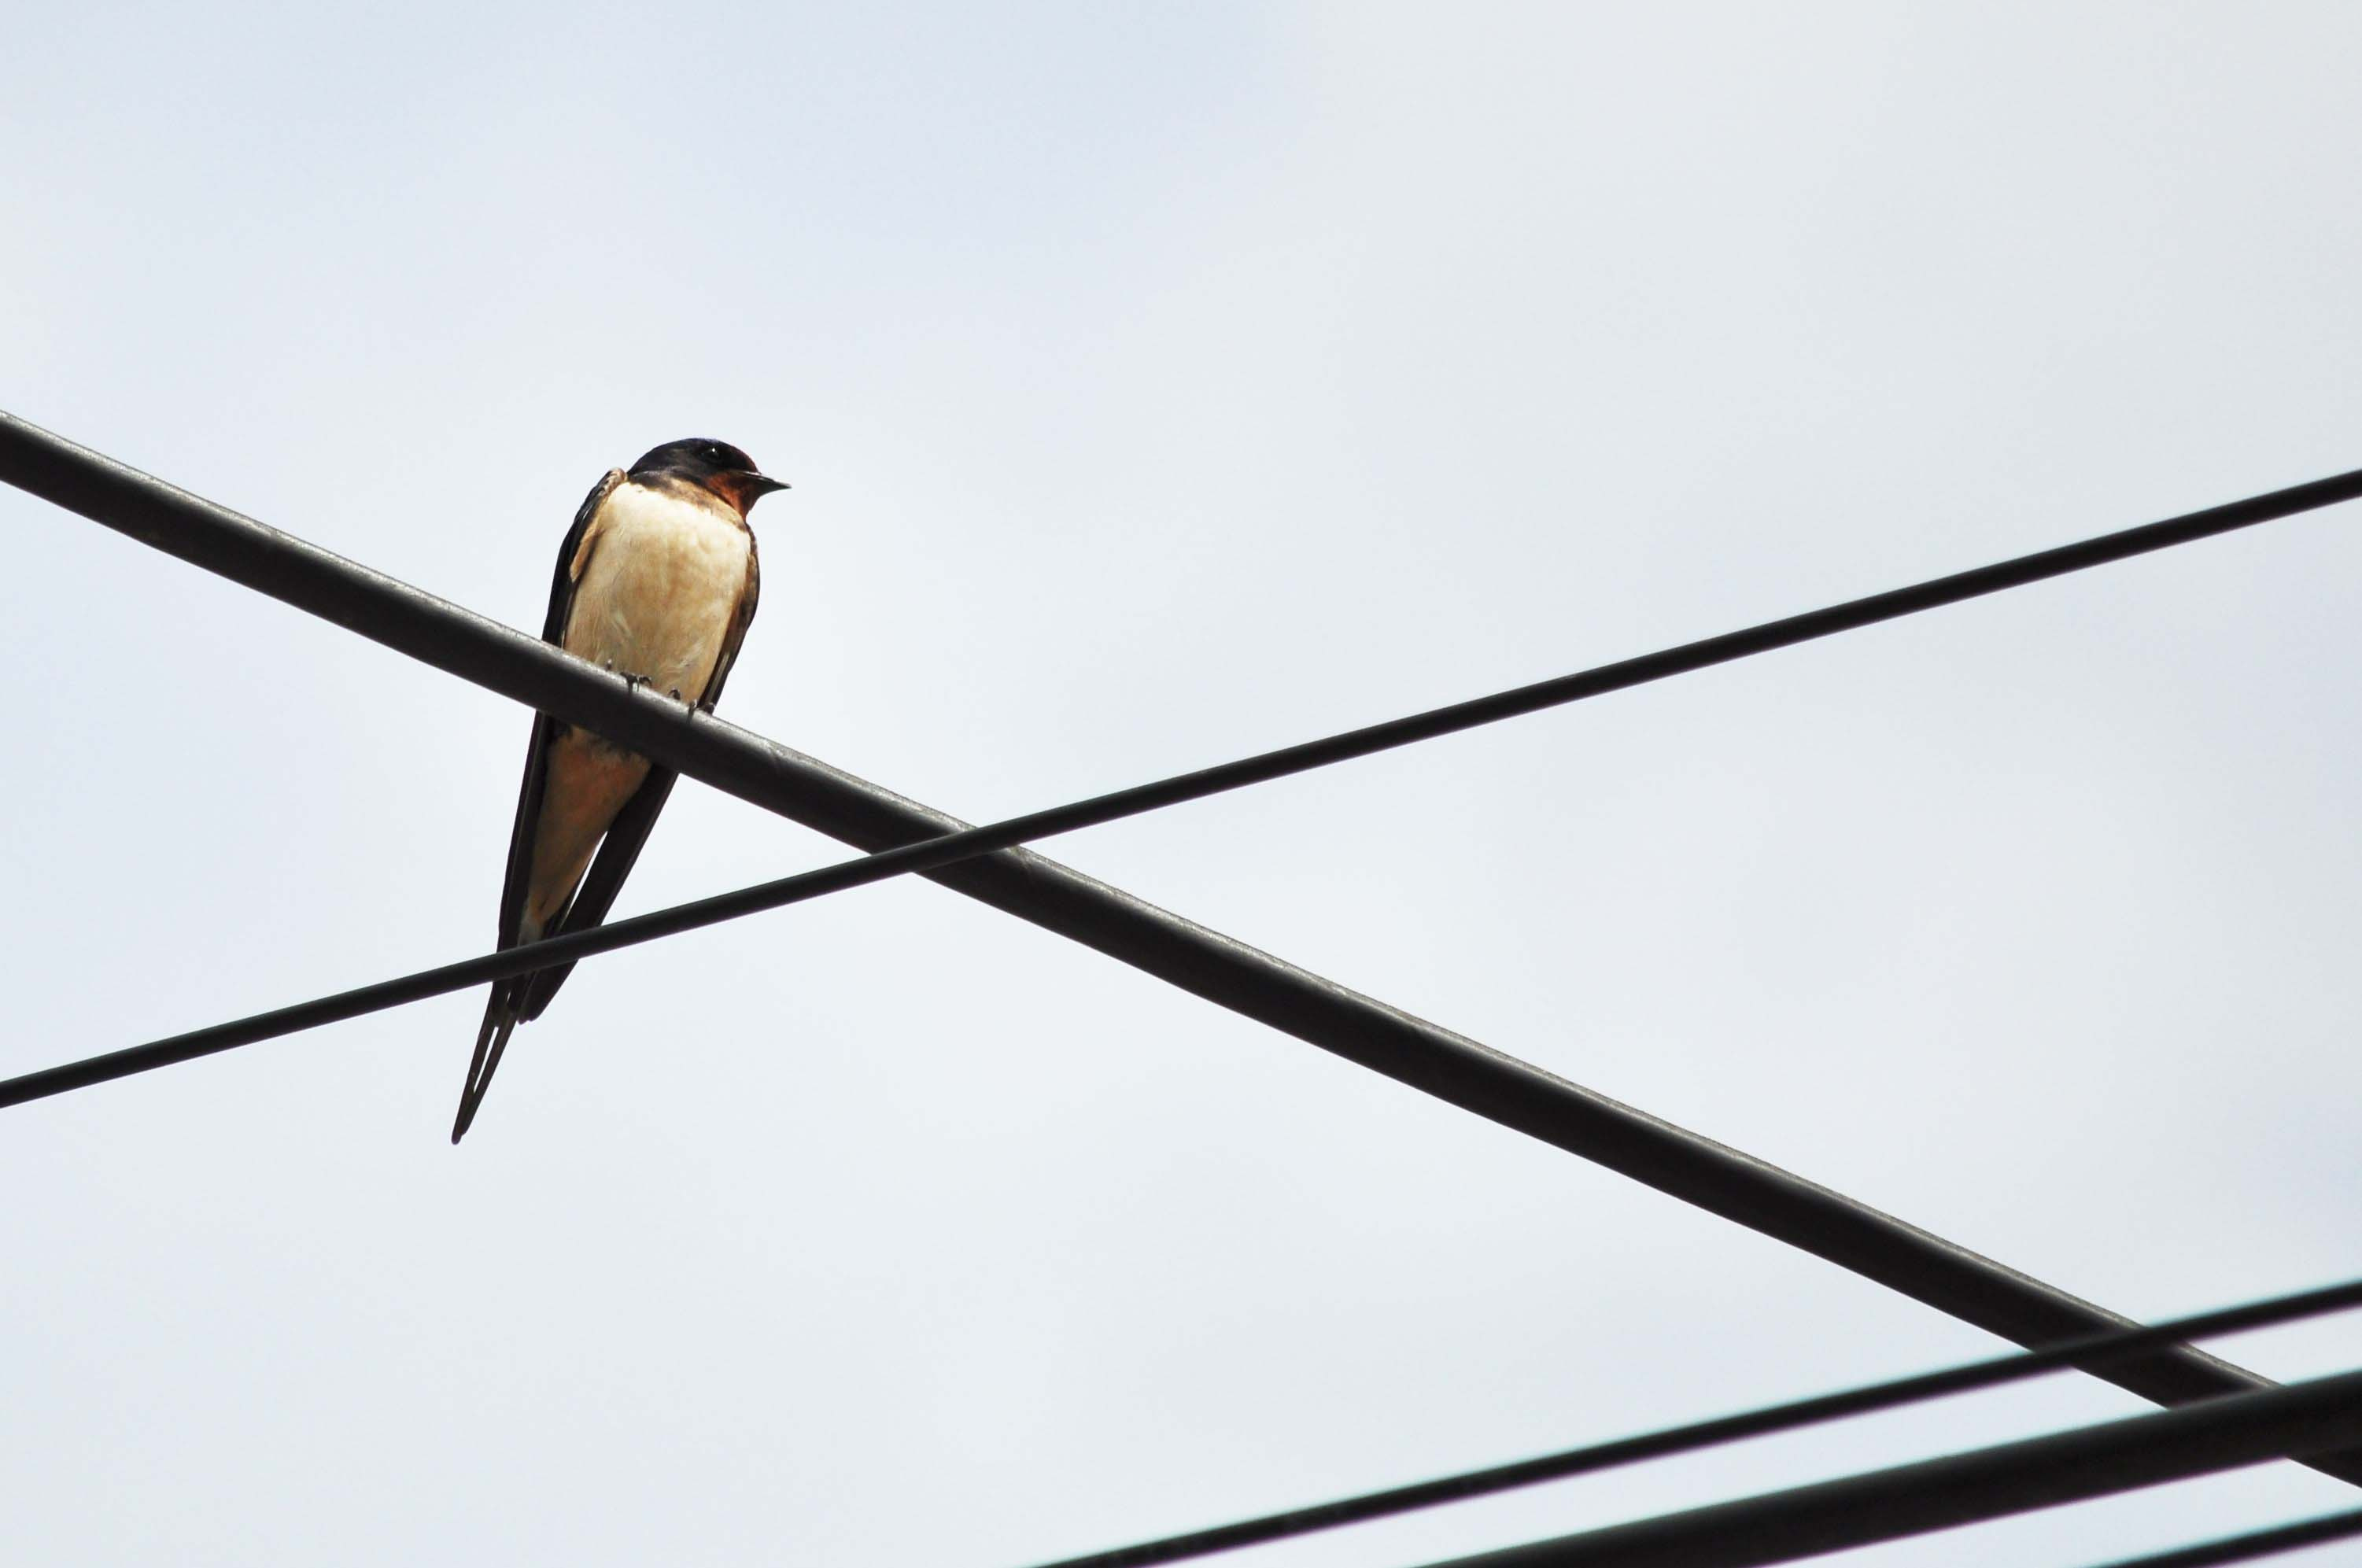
621 848
536 756
738 625
501 1008
617 853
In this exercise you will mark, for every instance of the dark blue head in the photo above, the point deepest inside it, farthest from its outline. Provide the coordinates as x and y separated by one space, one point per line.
715 466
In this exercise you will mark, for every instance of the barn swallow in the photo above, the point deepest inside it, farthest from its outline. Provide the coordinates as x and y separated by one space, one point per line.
656 580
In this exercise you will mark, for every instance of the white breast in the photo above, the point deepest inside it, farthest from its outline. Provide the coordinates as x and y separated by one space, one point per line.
659 588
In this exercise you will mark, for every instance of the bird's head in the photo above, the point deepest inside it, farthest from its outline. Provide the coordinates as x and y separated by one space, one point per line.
713 466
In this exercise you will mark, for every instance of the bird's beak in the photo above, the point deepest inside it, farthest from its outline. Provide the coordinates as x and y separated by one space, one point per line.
745 487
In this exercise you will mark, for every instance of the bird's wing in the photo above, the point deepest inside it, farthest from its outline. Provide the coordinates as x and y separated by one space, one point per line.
744 618
573 556
596 894
500 1011
621 848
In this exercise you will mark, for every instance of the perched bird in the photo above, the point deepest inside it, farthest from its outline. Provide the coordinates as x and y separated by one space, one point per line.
658 581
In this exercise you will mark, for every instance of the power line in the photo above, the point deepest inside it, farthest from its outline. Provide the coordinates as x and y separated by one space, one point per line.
2246 1548
2086 1353
1452 1067
1966 1488
48 466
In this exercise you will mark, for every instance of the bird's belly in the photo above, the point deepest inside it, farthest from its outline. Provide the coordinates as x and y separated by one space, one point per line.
660 589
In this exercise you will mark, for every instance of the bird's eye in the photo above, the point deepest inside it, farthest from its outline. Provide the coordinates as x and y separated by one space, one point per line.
713 451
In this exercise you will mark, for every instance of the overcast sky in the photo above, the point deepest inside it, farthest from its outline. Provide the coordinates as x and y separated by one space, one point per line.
1159 384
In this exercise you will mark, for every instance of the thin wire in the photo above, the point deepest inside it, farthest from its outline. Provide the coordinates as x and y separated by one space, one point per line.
1263 768
2257 1543
2084 1353
1970 1487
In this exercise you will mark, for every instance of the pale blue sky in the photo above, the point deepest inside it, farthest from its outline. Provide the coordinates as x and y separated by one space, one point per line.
1159 385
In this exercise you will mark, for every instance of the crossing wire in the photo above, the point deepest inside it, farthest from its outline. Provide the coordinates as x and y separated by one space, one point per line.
1966 1488
2087 1353
43 479
2248 1548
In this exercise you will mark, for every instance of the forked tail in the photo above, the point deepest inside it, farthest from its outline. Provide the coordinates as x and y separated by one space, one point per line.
500 1021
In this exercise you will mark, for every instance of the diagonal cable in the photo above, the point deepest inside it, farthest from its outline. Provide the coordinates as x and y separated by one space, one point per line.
1684 1164
2087 1353
2253 1544
1967 1488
